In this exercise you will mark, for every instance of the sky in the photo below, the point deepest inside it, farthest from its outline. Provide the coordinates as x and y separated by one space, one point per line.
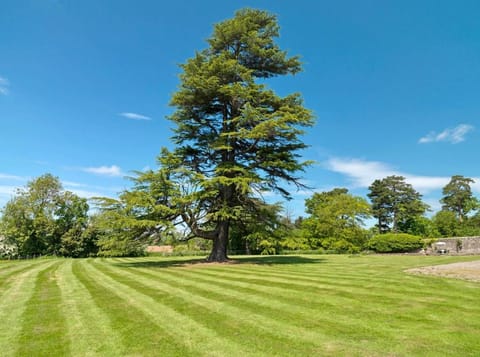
85 88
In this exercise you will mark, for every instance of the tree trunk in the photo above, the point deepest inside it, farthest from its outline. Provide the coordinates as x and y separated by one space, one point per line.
220 242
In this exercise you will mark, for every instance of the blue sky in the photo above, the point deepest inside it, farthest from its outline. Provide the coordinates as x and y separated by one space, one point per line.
85 87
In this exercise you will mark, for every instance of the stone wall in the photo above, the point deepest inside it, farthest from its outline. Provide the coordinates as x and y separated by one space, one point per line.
457 245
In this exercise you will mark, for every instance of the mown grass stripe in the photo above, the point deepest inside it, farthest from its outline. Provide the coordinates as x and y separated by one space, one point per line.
282 286
299 307
299 338
332 292
139 335
43 324
195 338
246 306
334 283
397 326
13 302
7 272
414 298
89 330
284 309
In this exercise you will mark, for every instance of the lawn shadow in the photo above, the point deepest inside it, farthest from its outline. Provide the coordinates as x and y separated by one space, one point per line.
238 260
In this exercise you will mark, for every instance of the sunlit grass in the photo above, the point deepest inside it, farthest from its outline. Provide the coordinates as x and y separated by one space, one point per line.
258 306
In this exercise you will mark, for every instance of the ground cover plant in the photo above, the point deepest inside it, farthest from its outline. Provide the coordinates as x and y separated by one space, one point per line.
257 306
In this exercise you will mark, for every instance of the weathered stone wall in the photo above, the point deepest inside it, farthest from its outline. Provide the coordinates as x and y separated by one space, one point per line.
458 245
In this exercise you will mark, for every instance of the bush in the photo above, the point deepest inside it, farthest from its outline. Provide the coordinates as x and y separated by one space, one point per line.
395 243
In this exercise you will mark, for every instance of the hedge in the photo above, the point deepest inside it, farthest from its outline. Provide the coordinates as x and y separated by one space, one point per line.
395 243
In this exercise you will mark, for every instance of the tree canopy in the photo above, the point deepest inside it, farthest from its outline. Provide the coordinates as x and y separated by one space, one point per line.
42 218
336 220
234 137
458 197
394 202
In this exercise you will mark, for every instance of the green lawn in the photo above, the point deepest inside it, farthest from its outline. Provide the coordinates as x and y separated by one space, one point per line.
263 306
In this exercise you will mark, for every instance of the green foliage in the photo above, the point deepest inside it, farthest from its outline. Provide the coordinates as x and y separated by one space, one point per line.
458 197
419 226
446 223
119 231
234 136
261 231
336 221
394 202
395 243
43 219
80 243
118 246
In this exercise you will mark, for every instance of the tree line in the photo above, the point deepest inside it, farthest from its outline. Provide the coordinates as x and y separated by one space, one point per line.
44 219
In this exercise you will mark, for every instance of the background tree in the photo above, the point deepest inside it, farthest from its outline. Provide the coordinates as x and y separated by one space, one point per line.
446 223
41 215
419 226
336 220
394 202
234 137
125 226
259 233
458 197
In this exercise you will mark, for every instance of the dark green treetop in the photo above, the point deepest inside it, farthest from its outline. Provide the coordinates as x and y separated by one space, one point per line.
394 202
458 197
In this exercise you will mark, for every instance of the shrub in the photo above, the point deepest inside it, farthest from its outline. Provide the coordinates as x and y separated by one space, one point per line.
395 243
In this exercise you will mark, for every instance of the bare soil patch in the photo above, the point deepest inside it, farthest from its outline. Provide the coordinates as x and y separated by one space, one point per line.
465 270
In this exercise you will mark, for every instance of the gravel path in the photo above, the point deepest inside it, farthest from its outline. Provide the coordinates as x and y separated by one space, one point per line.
466 270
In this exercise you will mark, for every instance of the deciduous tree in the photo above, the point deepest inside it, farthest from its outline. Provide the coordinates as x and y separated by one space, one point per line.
41 214
336 219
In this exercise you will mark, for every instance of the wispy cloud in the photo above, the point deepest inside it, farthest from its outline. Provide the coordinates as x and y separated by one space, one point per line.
113 170
134 116
454 136
12 177
4 84
89 194
362 173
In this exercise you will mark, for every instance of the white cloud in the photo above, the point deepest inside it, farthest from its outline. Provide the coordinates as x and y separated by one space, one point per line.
134 116
87 193
73 184
476 185
362 173
454 136
11 177
4 84
104 170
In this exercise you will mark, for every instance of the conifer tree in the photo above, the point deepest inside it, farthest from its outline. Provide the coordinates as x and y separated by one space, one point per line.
234 136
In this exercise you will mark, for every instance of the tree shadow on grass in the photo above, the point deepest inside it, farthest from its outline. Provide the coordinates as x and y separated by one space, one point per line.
238 260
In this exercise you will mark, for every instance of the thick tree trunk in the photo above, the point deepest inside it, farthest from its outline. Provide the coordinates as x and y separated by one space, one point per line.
220 242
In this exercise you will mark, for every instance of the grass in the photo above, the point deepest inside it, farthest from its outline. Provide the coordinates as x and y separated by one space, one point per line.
262 306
